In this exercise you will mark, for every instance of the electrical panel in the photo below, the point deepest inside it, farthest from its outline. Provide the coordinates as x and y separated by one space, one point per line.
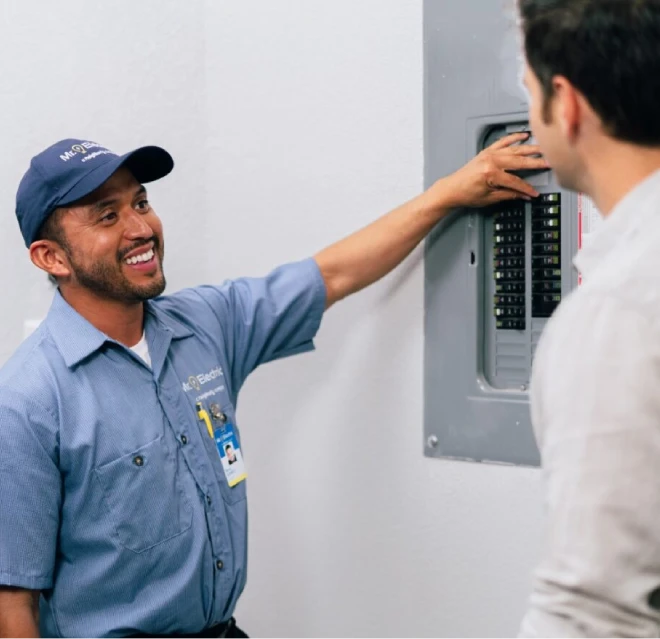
521 254
493 277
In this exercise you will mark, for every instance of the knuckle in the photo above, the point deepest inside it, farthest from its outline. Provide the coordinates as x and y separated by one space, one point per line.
490 170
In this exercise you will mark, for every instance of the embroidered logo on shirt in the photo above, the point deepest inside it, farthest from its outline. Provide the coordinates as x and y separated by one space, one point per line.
195 382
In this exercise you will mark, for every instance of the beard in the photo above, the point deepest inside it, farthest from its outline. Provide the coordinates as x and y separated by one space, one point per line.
107 280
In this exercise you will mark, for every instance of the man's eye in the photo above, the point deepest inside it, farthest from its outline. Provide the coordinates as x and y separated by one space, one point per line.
109 217
143 205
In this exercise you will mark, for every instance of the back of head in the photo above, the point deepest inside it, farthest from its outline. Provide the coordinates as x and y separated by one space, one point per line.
609 50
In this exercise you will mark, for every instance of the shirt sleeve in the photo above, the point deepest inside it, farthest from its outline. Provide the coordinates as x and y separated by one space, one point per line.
600 444
30 493
263 319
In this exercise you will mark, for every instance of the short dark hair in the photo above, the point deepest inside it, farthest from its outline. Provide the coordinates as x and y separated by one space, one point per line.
609 50
52 229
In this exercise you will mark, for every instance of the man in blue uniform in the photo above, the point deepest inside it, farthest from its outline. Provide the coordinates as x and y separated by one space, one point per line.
120 512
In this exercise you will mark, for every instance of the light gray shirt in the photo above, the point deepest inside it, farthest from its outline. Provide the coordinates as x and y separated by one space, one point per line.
596 412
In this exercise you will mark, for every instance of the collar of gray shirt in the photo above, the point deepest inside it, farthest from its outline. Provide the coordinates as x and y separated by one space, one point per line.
629 218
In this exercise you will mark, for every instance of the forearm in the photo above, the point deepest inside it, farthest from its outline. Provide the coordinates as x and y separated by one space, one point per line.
19 623
19 612
367 255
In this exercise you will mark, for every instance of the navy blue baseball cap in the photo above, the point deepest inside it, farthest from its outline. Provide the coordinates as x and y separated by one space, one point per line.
71 169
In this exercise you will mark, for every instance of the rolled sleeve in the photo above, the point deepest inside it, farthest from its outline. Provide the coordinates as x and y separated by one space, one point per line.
263 319
30 493
600 442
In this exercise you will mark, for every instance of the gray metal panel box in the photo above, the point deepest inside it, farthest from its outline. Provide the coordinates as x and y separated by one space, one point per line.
491 278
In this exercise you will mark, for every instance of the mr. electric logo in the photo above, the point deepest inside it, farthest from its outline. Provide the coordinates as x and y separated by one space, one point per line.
81 149
195 382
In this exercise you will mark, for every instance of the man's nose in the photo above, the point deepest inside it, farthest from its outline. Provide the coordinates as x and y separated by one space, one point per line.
137 227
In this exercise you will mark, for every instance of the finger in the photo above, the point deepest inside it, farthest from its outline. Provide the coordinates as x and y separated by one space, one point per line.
521 163
508 140
504 180
505 195
524 149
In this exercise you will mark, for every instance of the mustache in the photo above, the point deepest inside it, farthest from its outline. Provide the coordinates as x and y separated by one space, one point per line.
153 239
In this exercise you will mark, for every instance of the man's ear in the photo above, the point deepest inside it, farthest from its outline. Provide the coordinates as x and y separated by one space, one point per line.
50 257
567 107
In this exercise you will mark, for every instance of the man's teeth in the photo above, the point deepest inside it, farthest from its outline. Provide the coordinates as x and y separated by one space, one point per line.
145 257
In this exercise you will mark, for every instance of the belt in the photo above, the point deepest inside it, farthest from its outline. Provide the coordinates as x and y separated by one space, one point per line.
221 630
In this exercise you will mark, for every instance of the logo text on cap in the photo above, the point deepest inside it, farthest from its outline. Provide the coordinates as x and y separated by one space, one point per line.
80 148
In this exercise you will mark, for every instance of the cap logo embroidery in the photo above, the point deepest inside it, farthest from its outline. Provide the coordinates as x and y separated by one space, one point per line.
82 149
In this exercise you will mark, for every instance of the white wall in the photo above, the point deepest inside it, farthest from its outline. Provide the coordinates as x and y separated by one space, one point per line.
293 122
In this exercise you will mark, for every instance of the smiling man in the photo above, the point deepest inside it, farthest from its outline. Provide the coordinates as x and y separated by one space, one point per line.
123 504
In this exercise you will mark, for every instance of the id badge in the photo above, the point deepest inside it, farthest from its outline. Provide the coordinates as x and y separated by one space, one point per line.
224 435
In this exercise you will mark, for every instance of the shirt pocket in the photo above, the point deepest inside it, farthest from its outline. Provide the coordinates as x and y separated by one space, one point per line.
145 501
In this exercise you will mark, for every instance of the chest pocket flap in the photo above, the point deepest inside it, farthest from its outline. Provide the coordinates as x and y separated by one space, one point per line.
143 495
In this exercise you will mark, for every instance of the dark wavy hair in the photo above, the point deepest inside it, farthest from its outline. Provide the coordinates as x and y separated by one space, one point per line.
609 50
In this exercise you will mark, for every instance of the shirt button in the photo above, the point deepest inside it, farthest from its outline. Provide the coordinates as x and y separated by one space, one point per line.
208 499
219 565
184 440
138 460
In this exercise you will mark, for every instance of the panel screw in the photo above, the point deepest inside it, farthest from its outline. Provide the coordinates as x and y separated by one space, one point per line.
432 441
523 387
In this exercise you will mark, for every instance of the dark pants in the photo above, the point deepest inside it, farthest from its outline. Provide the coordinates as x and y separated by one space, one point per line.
229 629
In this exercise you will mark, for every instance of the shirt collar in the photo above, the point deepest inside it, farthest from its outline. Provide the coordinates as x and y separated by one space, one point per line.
76 338
166 321
627 220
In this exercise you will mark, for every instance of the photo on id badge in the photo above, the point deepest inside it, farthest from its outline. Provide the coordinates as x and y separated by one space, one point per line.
230 454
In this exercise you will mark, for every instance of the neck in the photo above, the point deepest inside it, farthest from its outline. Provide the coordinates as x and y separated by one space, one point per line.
616 168
118 320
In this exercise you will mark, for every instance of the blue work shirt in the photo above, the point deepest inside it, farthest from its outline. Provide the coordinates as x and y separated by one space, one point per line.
113 500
